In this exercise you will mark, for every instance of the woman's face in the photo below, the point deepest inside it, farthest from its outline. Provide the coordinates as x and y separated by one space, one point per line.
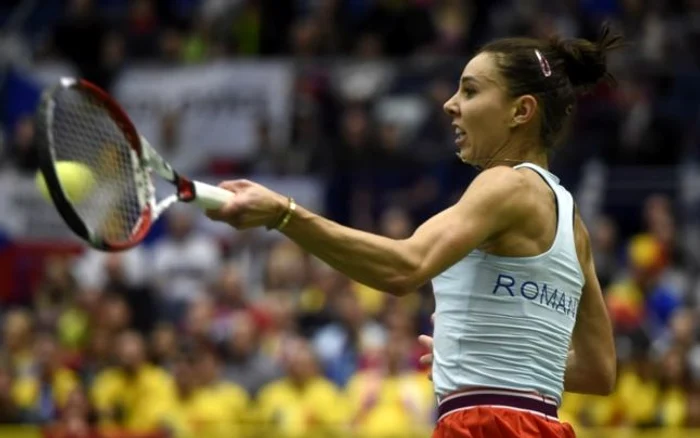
481 111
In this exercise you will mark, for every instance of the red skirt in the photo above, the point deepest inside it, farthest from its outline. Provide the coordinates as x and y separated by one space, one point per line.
499 414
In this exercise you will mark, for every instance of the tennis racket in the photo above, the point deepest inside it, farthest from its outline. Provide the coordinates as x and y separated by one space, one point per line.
80 123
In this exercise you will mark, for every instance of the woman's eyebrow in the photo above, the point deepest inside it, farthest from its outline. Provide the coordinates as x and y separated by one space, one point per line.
480 80
465 79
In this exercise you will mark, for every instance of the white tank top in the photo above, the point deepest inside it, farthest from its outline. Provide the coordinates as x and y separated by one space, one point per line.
506 322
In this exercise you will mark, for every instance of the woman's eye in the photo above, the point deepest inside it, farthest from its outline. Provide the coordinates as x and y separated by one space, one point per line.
469 92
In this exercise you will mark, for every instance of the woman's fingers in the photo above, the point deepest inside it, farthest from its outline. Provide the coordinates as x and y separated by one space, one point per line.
426 341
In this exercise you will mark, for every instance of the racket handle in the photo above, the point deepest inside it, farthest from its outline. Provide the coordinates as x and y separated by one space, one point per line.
210 197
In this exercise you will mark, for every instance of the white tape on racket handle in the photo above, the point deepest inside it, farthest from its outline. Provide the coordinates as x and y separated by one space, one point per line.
210 197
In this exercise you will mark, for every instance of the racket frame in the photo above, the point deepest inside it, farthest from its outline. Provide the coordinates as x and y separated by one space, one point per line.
144 160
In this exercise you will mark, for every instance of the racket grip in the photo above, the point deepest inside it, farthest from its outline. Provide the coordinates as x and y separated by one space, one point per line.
209 197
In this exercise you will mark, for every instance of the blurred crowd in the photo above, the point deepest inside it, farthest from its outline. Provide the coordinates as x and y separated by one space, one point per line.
180 338
371 77
651 286
99 35
247 335
205 334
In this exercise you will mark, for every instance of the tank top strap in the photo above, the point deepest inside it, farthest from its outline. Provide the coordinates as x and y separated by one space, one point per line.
565 206
548 176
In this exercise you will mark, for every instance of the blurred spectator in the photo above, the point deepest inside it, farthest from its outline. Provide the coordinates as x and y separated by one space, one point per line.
10 412
674 379
340 345
660 222
246 364
76 419
134 395
644 298
197 325
227 413
303 403
113 314
23 147
392 399
164 346
17 341
185 262
396 175
404 27
306 40
434 142
94 270
285 267
280 323
45 392
55 296
185 376
181 421
185 158
172 47
395 223
316 298
229 294
112 59
680 334
97 356
203 406
638 391
646 402
399 318
80 37
142 29
452 21
269 158
351 179
137 296
605 250
121 274
693 417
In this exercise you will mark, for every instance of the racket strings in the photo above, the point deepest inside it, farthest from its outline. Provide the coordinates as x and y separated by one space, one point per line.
82 130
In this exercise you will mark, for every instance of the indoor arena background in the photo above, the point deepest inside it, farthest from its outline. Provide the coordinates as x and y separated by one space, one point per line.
338 103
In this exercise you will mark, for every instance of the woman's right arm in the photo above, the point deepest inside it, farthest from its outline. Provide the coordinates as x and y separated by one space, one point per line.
591 366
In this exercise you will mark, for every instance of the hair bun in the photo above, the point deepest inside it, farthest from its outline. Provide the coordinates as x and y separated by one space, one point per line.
584 60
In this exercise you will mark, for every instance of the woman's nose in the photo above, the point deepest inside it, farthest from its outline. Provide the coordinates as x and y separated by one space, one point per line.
450 107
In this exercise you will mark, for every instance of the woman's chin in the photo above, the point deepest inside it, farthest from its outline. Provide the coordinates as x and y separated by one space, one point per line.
464 156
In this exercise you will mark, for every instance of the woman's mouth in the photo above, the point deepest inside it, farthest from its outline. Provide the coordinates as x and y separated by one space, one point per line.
460 135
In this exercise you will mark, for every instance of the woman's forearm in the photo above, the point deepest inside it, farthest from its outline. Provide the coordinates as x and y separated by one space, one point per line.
379 262
580 377
575 379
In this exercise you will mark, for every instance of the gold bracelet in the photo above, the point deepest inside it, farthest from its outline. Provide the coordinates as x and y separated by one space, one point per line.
288 215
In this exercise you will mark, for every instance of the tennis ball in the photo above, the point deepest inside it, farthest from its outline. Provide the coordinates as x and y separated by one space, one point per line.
76 180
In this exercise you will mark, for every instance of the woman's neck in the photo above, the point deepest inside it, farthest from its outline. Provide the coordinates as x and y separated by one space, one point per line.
512 156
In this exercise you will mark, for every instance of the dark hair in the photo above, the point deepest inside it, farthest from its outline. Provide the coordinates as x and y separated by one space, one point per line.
555 71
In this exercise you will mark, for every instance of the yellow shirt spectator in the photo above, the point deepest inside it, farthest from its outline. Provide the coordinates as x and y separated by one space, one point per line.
144 398
315 408
26 390
674 406
218 411
589 410
371 300
391 406
639 397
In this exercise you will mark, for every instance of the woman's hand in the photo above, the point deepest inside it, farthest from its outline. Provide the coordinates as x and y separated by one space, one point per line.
427 342
253 206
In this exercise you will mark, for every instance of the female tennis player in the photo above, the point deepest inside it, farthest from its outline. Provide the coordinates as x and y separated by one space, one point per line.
519 312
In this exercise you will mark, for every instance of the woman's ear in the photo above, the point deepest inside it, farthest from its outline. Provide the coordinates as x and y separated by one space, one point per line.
524 108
